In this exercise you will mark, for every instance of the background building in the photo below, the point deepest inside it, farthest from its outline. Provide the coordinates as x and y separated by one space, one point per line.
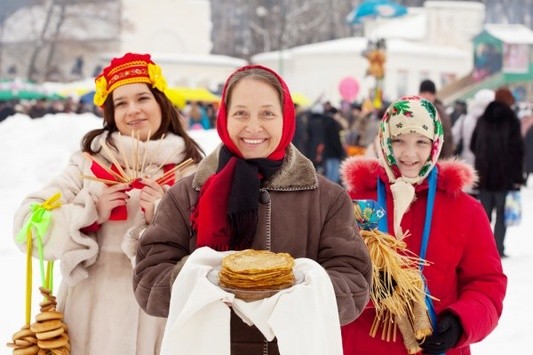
67 41
432 42
197 41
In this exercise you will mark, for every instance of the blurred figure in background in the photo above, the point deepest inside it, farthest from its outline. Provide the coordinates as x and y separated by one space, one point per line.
315 134
7 109
464 127
198 118
333 152
300 138
498 148
459 109
527 133
428 91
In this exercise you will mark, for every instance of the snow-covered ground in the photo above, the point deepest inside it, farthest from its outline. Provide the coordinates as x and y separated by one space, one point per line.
32 151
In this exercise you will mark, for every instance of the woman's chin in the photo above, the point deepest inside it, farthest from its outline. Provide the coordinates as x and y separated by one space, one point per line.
249 151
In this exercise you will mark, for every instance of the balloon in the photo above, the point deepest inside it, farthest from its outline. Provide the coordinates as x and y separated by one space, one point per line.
349 88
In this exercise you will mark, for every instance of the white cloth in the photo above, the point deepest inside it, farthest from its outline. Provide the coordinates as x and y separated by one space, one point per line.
304 317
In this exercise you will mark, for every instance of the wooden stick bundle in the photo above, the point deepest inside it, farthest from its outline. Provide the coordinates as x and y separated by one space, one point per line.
131 173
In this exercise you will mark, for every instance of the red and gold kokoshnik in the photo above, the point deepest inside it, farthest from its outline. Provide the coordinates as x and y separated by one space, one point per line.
133 72
129 69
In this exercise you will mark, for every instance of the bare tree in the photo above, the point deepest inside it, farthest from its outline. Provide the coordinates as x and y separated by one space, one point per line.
54 39
40 42
62 32
250 27
255 26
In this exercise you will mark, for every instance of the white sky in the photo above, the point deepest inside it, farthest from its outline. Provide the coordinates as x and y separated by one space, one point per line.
33 151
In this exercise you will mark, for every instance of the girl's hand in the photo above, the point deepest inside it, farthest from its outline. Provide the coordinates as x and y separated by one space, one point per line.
150 193
110 197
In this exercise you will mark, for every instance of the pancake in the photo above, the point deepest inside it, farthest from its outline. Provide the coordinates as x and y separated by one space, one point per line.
257 270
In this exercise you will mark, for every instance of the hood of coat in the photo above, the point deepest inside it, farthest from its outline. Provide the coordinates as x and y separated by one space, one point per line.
497 112
296 173
480 102
359 175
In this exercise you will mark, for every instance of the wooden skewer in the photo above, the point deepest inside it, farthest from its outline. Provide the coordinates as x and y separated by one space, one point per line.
145 151
171 171
137 154
89 156
105 181
111 156
133 155
159 147
157 151
123 152
166 180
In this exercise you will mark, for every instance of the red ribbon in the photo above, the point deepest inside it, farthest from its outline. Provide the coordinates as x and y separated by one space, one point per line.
120 213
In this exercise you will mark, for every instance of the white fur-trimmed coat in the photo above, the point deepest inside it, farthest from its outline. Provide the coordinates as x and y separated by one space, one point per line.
96 293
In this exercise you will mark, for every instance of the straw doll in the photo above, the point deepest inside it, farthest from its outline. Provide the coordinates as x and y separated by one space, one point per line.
435 228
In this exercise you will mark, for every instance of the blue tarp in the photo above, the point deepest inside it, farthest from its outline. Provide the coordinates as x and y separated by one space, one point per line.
375 8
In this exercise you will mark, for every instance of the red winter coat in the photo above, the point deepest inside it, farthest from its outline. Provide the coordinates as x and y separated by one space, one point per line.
465 272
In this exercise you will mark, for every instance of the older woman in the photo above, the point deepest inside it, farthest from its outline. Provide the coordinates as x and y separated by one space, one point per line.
255 191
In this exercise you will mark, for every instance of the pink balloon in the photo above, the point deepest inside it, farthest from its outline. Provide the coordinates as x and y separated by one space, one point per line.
348 88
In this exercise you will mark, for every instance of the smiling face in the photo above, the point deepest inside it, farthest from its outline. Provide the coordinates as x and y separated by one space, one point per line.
136 109
411 150
255 118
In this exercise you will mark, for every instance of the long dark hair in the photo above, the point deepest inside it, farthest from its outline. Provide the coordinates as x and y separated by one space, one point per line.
170 122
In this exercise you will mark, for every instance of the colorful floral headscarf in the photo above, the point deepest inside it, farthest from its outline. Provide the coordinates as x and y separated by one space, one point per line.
408 114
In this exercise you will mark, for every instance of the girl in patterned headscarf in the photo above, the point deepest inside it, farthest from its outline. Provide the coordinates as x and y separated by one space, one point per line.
411 139
426 209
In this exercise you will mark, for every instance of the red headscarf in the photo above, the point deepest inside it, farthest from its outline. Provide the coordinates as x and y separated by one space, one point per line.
225 215
289 121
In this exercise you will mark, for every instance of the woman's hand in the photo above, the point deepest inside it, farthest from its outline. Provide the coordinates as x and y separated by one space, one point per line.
150 193
110 197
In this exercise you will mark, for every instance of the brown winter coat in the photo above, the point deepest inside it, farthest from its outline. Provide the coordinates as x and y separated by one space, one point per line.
306 216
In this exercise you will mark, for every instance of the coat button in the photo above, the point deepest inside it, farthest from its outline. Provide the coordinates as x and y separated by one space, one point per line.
264 197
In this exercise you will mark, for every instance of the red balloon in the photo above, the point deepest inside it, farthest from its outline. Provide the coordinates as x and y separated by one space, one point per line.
349 88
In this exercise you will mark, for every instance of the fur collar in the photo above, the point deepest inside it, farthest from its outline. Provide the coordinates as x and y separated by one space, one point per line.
296 173
168 150
359 175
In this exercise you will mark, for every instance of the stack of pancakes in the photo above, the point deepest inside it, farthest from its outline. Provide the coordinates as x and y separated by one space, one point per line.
257 270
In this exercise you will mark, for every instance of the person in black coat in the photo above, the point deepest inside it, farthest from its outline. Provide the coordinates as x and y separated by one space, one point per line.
498 147
428 91
526 123
333 153
6 110
528 160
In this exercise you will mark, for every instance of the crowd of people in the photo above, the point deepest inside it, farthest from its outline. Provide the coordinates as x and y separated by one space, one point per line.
194 115
141 199
41 107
